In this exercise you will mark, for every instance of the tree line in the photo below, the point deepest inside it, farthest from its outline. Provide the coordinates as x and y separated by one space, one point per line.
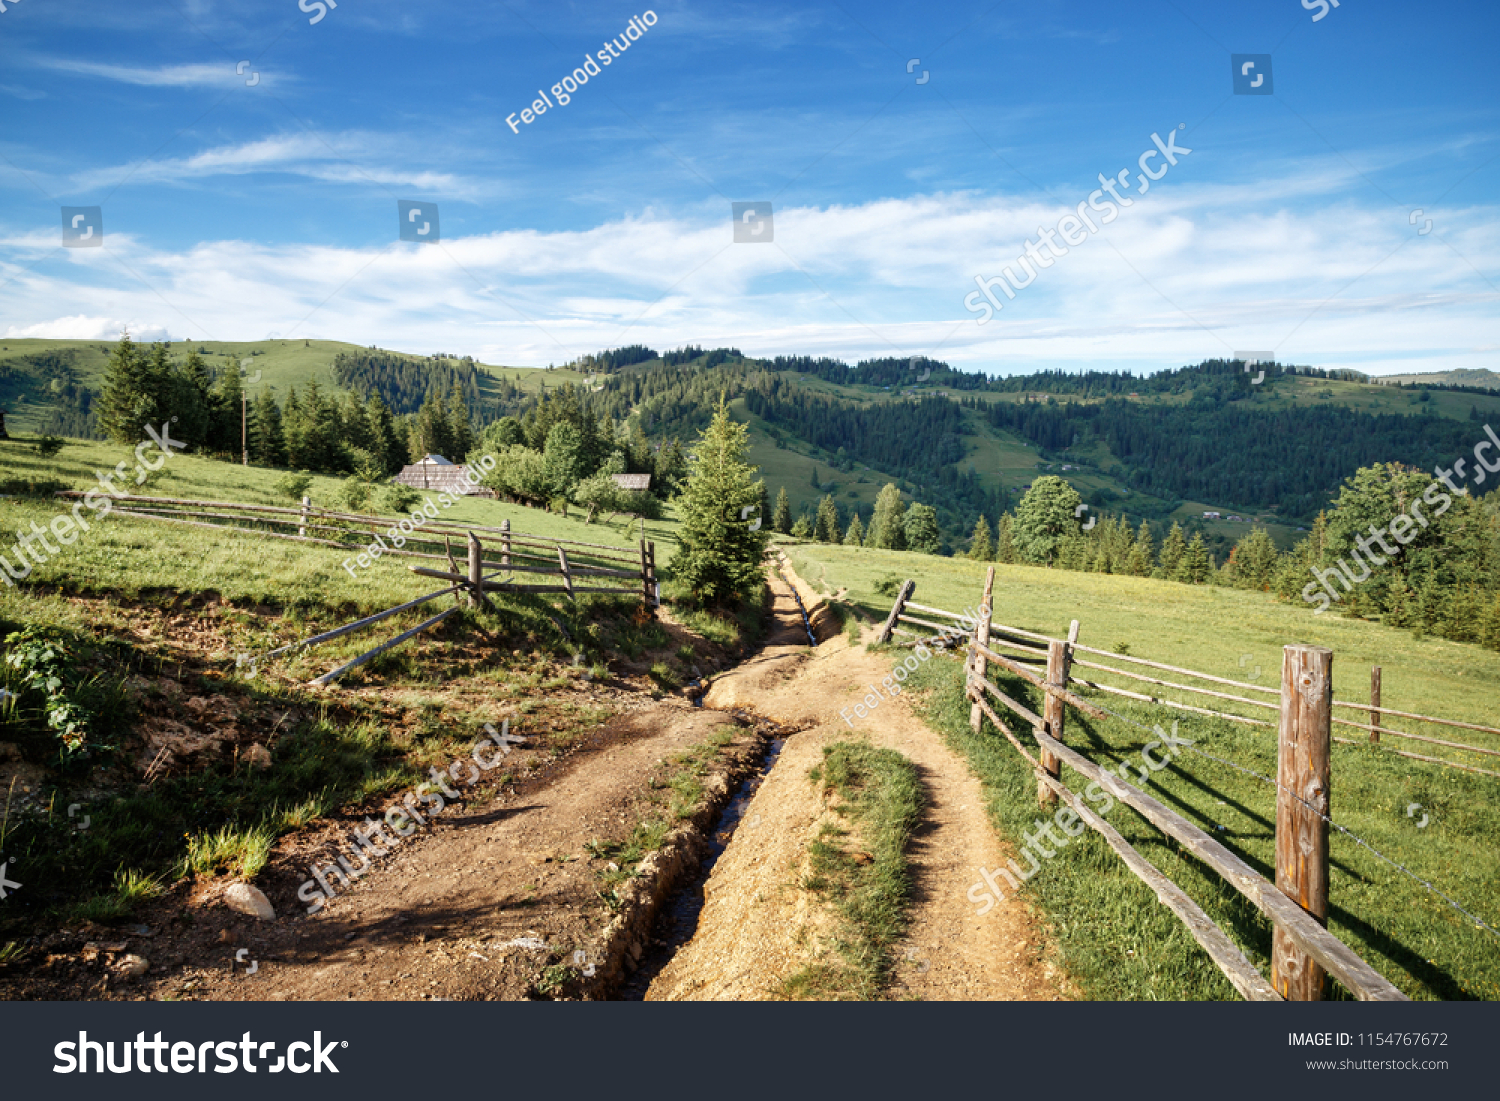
1444 581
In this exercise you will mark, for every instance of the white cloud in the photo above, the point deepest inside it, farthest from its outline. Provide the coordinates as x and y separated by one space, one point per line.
88 328
339 158
219 74
1188 272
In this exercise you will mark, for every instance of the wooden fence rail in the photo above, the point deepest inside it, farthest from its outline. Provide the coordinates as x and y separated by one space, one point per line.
595 563
1304 953
997 633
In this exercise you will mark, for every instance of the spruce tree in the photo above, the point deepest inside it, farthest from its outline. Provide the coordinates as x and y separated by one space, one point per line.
1005 547
224 433
885 526
826 526
1173 547
266 436
121 403
980 547
719 559
1142 553
855 536
781 519
1195 564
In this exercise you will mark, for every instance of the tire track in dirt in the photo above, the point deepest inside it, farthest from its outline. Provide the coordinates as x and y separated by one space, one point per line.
758 926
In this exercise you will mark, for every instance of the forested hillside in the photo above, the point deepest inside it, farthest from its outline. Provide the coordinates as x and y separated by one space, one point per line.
1166 446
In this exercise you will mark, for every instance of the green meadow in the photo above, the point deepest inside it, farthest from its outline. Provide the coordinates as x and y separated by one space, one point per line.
1115 941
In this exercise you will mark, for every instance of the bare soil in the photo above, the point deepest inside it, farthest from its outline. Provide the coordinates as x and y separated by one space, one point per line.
759 926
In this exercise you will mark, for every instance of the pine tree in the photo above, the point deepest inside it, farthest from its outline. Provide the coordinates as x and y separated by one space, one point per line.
980 547
855 536
803 528
719 558
826 526
781 519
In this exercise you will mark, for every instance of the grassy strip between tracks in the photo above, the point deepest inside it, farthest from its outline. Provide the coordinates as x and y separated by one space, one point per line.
878 792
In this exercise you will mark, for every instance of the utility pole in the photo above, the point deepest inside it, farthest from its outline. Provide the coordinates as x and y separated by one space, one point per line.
244 447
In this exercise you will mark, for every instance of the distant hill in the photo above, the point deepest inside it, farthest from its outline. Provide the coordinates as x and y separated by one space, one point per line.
1481 377
1267 446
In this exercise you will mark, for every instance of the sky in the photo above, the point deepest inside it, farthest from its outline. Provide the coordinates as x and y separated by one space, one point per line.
247 160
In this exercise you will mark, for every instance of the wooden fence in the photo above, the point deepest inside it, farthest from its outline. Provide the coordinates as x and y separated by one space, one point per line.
1031 647
604 569
560 564
1304 953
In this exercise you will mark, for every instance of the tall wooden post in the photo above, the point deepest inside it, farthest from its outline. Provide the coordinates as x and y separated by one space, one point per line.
651 575
505 543
1375 701
907 588
567 574
645 577
1052 714
302 525
978 665
1302 810
476 571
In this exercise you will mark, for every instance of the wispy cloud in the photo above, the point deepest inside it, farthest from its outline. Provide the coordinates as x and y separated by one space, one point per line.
219 74
356 158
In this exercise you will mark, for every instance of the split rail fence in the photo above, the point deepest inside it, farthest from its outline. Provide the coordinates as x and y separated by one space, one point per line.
561 566
1304 953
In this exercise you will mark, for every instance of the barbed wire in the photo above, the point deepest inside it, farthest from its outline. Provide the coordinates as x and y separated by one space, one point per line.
1342 829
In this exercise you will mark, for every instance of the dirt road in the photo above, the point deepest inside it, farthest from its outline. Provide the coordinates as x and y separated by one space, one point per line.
757 924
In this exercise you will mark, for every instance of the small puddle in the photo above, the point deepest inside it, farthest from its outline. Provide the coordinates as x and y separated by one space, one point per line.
678 920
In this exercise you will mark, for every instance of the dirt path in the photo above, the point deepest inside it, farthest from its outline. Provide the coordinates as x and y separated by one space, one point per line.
756 922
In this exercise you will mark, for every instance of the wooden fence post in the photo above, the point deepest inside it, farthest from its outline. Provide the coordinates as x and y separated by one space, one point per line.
505 543
476 571
302 525
1052 715
1375 701
978 666
652 586
562 561
1302 809
645 577
902 597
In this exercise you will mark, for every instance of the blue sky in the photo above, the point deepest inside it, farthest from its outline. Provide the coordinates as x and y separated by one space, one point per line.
240 205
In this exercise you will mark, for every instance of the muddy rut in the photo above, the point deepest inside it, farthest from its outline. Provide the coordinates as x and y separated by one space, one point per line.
757 924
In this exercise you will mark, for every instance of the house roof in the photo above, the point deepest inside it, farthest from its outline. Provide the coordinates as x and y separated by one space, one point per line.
433 477
632 481
434 460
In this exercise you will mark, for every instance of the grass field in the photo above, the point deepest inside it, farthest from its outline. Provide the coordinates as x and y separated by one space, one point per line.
153 613
1115 941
